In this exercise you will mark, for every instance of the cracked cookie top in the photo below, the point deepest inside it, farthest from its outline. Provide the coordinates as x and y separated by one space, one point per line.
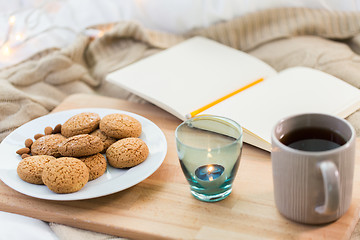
30 169
47 145
120 126
81 123
127 152
81 145
65 175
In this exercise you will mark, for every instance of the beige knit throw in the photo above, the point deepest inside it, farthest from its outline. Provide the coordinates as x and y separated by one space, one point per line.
34 87
328 41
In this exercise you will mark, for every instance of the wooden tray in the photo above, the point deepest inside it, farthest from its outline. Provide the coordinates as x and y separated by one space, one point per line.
161 207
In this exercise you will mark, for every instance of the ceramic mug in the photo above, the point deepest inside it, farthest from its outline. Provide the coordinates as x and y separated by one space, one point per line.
312 186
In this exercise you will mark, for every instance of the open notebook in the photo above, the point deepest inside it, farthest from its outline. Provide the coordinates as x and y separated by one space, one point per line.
199 71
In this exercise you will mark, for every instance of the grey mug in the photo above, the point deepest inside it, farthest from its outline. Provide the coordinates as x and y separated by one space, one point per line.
313 187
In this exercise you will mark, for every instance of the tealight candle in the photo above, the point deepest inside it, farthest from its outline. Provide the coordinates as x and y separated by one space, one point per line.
209 172
210 176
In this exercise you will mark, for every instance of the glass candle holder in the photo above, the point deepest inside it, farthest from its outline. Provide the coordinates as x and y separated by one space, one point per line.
209 149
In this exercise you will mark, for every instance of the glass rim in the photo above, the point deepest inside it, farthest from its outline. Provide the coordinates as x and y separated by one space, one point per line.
211 117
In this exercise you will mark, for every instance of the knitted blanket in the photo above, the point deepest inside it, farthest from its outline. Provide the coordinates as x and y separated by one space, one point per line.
328 41
287 37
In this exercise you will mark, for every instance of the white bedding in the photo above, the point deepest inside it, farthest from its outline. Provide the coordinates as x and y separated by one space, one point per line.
14 226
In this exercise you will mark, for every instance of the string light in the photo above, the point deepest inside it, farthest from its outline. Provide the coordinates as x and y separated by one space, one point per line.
5 50
19 36
15 40
12 20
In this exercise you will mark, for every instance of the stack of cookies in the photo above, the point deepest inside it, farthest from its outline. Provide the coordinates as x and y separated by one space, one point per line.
71 154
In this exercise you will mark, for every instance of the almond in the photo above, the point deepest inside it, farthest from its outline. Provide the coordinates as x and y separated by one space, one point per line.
48 130
25 155
37 136
57 129
28 142
21 151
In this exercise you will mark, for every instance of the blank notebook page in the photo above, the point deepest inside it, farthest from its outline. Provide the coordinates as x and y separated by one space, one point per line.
190 75
292 91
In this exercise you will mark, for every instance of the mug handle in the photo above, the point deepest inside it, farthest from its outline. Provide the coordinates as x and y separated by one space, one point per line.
331 179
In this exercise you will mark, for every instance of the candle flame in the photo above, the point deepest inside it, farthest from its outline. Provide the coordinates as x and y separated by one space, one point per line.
210 169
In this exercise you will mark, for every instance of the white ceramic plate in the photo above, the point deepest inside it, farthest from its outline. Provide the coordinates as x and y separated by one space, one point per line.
113 180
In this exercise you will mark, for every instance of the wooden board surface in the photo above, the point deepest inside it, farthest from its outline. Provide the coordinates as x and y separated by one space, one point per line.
161 207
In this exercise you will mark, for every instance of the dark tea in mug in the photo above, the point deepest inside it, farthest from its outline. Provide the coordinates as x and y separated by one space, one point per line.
313 139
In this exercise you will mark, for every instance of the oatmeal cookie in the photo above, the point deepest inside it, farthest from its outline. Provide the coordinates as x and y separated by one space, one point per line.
96 164
120 126
127 152
30 169
81 145
65 175
81 123
47 145
104 138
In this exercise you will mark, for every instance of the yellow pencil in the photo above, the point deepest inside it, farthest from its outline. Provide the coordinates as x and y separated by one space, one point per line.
196 112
